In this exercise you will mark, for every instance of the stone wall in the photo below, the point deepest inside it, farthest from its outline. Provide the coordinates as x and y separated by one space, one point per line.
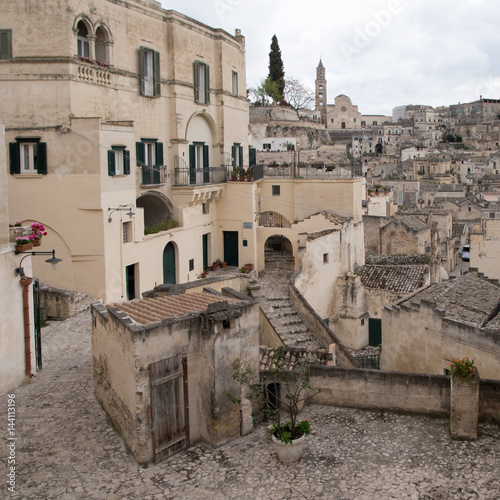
57 303
413 393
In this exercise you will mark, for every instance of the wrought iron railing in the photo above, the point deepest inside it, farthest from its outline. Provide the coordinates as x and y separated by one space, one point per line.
153 174
199 177
318 171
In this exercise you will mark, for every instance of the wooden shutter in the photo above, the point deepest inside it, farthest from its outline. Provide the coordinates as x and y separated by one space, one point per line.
126 162
142 62
159 153
233 154
192 164
156 74
111 163
206 161
42 157
139 153
240 151
15 164
5 44
207 84
196 83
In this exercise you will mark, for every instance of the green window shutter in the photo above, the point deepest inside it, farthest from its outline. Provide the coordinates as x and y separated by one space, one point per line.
126 162
5 44
159 153
15 164
233 154
156 74
111 163
139 153
196 84
41 157
241 155
192 164
206 162
207 84
142 62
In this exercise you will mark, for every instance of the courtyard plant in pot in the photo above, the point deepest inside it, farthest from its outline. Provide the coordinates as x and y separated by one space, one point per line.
291 388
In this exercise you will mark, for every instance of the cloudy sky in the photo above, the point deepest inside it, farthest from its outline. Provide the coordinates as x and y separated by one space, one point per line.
381 53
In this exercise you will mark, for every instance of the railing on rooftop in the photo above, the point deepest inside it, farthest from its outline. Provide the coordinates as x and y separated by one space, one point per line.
314 171
199 177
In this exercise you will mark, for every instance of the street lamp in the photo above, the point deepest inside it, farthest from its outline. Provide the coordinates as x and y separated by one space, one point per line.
120 208
53 261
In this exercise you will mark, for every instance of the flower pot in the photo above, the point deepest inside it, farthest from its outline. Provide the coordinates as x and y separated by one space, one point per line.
289 452
37 243
24 248
213 267
223 264
204 275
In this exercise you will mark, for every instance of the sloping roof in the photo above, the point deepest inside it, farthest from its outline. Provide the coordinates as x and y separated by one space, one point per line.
412 222
470 299
151 310
398 279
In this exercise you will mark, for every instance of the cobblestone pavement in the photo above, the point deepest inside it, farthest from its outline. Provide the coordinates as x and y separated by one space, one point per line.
66 449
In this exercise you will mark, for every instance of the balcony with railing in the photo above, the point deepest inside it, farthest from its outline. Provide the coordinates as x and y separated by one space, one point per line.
305 171
185 175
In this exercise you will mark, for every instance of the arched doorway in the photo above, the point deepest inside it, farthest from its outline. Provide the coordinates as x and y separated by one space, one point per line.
278 251
379 148
169 264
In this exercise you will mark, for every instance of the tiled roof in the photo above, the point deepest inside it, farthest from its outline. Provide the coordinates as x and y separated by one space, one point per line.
331 216
399 279
458 228
151 310
469 299
413 222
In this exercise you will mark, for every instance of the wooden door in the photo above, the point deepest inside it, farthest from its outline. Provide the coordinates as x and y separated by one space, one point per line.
231 248
169 405
169 264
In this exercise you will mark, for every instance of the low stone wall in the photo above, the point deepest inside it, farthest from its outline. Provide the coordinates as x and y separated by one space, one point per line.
412 393
395 260
57 303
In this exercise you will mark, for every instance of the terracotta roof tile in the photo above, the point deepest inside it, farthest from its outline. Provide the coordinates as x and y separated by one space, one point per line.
151 310
399 279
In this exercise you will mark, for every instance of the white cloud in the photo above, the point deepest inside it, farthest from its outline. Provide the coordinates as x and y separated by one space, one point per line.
401 52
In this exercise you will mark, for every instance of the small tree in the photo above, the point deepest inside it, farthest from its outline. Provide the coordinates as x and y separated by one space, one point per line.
266 91
295 389
276 70
298 95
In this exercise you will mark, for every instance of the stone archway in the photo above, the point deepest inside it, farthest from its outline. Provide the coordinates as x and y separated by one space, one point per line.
157 208
278 254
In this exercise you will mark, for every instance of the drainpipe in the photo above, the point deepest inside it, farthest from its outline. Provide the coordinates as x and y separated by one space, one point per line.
26 282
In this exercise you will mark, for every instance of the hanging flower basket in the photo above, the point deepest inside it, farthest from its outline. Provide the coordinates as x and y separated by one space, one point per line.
23 243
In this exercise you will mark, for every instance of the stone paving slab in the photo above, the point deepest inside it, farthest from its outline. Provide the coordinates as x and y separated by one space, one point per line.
67 449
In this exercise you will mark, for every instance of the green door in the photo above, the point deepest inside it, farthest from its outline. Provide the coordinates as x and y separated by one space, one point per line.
252 156
169 264
375 331
130 277
231 248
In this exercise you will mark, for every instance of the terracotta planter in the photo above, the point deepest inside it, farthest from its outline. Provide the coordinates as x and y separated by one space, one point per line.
213 267
289 452
24 248
204 275
249 267
223 264
37 243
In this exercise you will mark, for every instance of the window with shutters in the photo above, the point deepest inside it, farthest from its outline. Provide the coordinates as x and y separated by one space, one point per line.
118 161
5 44
150 72
201 82
28 156
237 155
149 154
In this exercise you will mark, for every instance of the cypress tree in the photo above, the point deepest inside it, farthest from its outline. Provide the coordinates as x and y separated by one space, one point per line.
276 71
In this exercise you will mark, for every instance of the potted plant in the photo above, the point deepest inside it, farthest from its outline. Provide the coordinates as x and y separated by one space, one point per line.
223 264
243 270
23 243
291 389
37 231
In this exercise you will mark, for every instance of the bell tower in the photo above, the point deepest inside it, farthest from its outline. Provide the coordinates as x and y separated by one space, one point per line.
321 91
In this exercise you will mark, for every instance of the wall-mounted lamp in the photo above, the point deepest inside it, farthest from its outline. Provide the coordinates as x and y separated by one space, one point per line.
121 208
53 261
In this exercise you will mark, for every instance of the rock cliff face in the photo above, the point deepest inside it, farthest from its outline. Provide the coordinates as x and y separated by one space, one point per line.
307 137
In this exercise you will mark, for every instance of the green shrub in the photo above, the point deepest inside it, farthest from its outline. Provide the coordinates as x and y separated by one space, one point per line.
163 226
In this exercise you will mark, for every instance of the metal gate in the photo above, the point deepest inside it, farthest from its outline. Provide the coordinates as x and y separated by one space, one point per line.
37 322
169 403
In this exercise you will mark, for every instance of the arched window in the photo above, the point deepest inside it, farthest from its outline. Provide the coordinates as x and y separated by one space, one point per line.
101 45
82 40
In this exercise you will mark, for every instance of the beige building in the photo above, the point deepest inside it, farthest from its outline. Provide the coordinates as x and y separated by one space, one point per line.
120 116
484 244
453 319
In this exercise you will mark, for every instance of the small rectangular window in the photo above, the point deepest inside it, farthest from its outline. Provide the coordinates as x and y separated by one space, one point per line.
28 156
235 83
245 243
266 146
325 258
205 208
5 44
118 161
127 232
191 264
276 190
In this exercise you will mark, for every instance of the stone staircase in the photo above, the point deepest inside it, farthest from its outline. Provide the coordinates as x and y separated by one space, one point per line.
82 302
275 302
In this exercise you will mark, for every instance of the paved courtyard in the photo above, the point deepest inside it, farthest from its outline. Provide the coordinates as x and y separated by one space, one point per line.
66 449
